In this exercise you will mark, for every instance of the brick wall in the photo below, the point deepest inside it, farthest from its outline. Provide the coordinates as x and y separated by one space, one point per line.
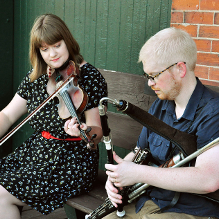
200 18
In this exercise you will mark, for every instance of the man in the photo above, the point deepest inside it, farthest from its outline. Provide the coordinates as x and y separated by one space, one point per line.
169 59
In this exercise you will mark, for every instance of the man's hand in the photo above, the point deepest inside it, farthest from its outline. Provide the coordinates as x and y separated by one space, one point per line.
123 174
113 193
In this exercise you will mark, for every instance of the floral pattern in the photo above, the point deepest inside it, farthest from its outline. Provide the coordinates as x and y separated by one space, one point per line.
42 172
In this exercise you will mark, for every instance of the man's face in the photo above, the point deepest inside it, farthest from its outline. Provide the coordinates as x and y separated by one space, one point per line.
167 84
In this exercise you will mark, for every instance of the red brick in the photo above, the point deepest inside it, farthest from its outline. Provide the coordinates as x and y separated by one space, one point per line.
209 4
216 18
201 71
212 83
177 17
209 31
214 74
199 17
185 4
191 29
207 59
215 46
203 45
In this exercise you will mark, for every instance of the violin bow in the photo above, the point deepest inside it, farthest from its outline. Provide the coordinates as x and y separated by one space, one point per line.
64 84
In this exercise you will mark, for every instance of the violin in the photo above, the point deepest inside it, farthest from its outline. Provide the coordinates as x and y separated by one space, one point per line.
72 94
72 99
64 85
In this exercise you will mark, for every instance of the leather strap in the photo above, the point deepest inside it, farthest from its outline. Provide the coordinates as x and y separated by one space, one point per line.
172 203
184 141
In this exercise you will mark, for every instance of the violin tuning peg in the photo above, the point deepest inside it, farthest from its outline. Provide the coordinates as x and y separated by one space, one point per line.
92 145
88 129
93 136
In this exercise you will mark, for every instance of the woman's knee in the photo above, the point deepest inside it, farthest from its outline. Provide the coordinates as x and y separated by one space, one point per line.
8 198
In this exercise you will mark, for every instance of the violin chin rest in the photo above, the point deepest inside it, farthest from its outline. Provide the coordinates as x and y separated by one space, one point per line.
63 66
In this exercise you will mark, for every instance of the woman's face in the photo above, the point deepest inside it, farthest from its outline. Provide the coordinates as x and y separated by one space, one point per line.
54 55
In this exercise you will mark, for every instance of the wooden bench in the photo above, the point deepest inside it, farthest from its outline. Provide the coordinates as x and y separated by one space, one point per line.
124 130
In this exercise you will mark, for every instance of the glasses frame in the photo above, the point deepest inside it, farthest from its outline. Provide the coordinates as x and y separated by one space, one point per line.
155 76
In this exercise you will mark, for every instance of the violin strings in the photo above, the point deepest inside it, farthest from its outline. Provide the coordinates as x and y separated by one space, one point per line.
72 111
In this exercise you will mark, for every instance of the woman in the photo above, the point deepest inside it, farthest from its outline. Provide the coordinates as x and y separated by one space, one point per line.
45 171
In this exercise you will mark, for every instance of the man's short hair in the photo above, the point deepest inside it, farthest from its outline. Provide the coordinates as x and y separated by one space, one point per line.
169 46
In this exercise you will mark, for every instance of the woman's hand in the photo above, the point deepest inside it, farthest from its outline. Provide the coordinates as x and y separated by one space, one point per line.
71 127
93 126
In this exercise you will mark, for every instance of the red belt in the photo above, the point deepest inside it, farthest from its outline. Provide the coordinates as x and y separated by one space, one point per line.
47 135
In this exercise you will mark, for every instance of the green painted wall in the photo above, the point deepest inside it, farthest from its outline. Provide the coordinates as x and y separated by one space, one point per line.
6 61
110 32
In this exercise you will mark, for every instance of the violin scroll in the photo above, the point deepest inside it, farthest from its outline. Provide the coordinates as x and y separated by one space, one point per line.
90 139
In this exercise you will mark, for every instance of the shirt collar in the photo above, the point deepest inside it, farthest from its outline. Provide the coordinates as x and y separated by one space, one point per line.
192 105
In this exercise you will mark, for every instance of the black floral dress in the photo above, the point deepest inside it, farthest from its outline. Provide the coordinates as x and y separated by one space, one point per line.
42 172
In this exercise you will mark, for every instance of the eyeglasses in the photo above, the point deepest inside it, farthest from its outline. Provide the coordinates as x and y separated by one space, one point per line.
155 76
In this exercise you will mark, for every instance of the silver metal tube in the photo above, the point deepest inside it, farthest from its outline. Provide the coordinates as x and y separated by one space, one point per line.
135 193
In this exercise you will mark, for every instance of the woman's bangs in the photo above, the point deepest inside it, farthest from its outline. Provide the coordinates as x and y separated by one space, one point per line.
49 37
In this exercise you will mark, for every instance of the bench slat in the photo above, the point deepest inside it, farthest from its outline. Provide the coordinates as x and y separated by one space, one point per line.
129 87
84 203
